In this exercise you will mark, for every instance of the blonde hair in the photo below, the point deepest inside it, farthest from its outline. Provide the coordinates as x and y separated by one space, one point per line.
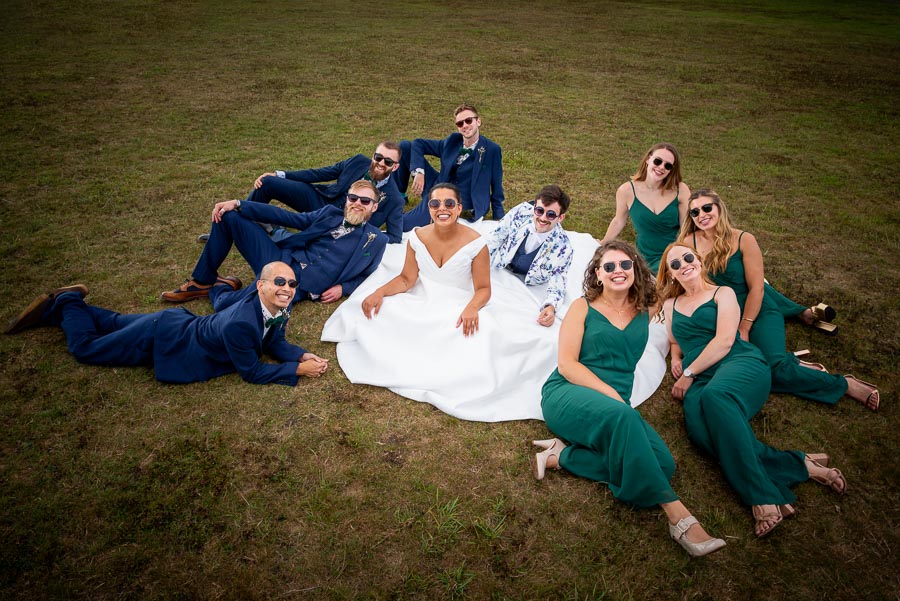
362 183
666 285
716 260
673 178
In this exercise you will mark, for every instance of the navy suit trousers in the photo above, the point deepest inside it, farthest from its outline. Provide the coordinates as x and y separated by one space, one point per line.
102 337
420 215
251 240
300 196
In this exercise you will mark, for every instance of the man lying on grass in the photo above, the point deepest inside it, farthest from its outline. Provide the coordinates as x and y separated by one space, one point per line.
183 347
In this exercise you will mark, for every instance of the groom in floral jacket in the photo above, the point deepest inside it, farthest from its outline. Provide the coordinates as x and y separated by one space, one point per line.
531 242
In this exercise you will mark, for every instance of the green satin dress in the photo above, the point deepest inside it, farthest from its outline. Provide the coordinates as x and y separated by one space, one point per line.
654 232
767 333
608 440
718 407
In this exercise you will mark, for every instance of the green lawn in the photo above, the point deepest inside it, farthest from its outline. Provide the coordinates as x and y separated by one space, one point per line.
123 122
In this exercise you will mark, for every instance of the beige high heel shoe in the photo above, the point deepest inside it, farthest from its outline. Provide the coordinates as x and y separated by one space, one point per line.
552 448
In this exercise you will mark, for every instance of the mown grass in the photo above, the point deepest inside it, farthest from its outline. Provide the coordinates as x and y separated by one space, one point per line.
122 123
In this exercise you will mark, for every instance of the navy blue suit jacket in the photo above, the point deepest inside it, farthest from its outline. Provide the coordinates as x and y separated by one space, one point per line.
342 175
365 258
192 348
485 189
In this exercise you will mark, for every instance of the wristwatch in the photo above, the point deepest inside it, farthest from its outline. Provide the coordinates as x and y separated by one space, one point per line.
687 373
237 205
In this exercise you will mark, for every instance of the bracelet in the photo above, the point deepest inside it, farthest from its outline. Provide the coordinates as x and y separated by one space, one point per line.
747 319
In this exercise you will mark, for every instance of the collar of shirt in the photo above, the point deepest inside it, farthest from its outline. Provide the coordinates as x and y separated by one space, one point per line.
266 315
535 239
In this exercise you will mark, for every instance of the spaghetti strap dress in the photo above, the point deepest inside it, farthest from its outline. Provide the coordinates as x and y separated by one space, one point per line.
768 334
718 407
654 232
609 441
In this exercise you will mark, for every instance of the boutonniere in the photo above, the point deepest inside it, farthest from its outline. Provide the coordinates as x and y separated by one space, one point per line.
369 240
481 155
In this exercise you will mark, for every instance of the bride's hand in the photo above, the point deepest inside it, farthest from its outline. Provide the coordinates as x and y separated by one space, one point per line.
372 304
468 319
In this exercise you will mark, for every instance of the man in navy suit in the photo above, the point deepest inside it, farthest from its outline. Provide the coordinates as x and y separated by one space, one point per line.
302 191
332 254
183 347
469 160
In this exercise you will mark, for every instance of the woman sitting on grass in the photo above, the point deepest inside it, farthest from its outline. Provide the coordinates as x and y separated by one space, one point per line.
733 258
724 381
585 401
657 200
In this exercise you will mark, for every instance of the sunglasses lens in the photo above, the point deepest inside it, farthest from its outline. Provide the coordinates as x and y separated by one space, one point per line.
688 258
609 267
675 265
694 213
707 208
279 281
538 211
627 264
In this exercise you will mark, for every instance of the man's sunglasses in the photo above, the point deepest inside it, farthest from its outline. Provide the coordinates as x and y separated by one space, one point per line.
380 158
466 121
280 281
449 203
540 211
675 264
707 208
658 161
363 200
626 265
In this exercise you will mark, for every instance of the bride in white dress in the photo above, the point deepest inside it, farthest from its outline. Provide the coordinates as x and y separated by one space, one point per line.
413 345
432 336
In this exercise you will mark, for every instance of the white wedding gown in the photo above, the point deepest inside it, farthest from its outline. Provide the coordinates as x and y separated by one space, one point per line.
414 348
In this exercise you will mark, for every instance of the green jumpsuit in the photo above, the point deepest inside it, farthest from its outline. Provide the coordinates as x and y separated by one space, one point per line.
609 441
718 407
654 232
767 333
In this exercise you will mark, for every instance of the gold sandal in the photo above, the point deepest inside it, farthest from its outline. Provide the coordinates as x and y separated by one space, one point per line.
834 479
873 400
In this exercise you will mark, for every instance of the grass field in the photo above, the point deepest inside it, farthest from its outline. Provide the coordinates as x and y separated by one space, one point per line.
123 122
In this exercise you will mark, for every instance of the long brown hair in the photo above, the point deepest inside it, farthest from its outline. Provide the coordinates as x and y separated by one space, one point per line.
666 285
673 178
716 259
642 294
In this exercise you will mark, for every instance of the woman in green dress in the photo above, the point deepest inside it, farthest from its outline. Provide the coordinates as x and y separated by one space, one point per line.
656 198
723 381
585 401
733 259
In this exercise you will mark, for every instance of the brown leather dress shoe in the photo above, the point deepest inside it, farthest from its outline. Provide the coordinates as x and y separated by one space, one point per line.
32 314
191 289
231 280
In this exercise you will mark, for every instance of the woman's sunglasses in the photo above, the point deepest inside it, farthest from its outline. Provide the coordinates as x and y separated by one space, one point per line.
707 208
626 265
658 161
449 203
675 264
